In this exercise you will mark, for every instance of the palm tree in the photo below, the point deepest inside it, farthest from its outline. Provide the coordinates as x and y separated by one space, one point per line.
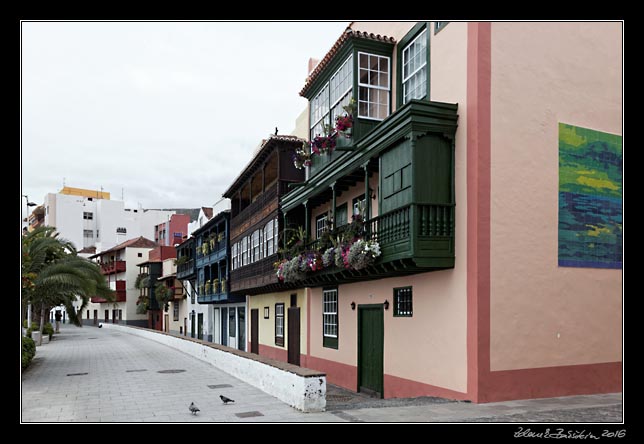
53 274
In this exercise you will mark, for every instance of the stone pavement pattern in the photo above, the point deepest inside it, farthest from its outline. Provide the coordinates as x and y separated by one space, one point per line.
123 384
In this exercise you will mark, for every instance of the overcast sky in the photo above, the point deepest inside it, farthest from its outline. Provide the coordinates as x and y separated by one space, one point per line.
165 113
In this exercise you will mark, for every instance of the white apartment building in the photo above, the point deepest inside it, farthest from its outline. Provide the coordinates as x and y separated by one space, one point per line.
89 218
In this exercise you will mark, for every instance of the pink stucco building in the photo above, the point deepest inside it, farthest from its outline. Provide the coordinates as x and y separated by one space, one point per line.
516 286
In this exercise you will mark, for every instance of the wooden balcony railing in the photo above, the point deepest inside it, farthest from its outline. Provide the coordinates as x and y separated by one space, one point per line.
113 267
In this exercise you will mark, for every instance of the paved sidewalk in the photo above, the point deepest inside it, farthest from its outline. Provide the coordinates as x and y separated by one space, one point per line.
115 378
100 375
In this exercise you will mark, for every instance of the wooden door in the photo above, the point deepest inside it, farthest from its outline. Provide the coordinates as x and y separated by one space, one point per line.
95 317
293 335
370 349
166 324
200 326
193 321
107 316
254 331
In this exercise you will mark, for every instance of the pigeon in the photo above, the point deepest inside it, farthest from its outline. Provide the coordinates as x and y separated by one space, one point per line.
226 400
193 408
100 325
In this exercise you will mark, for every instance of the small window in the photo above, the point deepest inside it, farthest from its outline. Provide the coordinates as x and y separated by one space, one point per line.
88 215
267 312
330 318
279 325
88 234
438 26
403 302
139 254
97 234
90 199
320 225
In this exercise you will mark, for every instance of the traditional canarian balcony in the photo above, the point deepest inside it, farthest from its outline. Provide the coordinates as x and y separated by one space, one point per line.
216 291
113 267
410 156
120 294
186 270
212 255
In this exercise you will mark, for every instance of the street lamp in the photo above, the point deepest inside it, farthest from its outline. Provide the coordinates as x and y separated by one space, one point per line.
29 204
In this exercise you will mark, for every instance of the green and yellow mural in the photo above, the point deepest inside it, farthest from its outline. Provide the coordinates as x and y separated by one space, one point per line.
590 198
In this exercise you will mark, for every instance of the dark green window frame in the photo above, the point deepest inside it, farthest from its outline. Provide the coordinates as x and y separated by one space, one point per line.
329 341
403 302
438 26
404 42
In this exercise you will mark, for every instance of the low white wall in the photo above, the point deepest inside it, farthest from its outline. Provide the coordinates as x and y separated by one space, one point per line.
305 393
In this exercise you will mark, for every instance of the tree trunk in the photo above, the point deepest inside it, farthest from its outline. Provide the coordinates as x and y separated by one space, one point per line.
42 321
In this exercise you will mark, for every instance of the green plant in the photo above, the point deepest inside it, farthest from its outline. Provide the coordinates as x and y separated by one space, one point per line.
48 329
34 327
28 351
141 281
182 260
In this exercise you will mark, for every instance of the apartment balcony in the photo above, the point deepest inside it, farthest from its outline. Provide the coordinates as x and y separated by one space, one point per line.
415 238
120 293
216 291
186 270
211 255
255 278
113 267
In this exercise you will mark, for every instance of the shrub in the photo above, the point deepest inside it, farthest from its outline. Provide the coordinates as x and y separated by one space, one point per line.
34 327
28 351
48 330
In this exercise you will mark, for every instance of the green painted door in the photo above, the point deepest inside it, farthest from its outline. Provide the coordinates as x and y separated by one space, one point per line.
192 325
370 349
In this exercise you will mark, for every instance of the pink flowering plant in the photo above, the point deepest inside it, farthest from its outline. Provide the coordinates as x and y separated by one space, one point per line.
321 145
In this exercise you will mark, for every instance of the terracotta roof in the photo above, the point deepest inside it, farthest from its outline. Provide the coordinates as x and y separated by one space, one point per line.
137 242
88 250
207 211
346 35
266 144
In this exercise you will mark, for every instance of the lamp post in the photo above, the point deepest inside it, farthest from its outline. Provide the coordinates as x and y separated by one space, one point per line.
29 204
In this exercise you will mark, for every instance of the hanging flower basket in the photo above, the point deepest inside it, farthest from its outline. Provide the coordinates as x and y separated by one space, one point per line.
344 125
323 145
301 158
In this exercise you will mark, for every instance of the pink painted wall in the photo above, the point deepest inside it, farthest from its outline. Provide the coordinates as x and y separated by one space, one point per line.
544 73
430 347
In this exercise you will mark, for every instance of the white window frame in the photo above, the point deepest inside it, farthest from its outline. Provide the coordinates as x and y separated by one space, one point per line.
244 253
344 94
269 234
330 313
279 326
423 34
320 224
368 86
315 110
90 232
256 241
233 254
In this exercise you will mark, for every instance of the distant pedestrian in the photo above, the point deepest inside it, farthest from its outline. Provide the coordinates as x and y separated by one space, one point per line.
59 316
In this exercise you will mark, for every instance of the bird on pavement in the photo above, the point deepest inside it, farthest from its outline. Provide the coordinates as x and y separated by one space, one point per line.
193 408
225 399
100 325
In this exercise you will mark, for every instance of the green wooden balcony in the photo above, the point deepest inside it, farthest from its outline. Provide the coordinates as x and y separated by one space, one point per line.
412 239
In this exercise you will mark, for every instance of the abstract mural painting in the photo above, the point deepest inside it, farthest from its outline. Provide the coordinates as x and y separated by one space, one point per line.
590 198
